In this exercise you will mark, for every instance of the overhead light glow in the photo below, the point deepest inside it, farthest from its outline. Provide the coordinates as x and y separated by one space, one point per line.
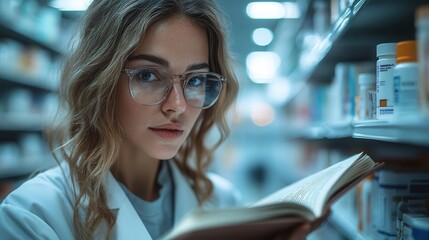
272 10
262 66
279 91
291 10
262 36
262 114
75 5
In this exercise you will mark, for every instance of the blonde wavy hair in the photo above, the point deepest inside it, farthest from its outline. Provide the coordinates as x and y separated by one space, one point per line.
88 138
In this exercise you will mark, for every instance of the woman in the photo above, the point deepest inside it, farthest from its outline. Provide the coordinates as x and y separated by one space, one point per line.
145 83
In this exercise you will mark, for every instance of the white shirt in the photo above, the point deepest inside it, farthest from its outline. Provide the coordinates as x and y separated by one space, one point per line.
156 215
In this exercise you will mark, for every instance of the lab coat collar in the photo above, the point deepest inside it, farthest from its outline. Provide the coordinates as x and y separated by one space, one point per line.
128 223
185 199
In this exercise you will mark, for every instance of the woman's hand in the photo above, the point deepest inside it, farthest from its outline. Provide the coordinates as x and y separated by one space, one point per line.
301 232
298 233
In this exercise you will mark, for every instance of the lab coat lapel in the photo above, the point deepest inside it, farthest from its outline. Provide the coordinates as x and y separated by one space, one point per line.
185 199
128 223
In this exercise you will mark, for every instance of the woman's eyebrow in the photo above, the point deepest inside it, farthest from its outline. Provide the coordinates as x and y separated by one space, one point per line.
150 58
197 66
164 63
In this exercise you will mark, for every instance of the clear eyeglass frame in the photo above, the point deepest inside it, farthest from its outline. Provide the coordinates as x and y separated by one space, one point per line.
201 90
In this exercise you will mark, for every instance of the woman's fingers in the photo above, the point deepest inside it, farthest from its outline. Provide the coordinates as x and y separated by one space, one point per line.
301 232
297 233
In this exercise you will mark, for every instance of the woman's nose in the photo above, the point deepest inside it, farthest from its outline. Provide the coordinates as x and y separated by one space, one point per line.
175 101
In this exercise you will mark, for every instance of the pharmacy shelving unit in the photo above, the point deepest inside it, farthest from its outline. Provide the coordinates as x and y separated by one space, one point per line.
353 38
412 131
8 29
403 131
12 125
354 35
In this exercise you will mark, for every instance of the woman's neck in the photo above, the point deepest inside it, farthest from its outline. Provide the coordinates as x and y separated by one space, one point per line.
138 173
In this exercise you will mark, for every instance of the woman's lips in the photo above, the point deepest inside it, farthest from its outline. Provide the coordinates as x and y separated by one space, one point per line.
167 131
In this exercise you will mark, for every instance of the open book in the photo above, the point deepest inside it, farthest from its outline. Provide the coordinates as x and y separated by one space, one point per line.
305 200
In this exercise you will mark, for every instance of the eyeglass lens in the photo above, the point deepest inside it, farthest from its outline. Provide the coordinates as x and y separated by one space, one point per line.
151 87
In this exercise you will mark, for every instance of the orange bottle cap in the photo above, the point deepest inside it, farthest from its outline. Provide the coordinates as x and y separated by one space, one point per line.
406 52
422 11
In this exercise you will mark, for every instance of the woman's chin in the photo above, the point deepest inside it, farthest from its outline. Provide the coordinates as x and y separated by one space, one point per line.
165 155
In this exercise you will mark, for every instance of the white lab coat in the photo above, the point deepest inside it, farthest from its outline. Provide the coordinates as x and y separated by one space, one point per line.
42 207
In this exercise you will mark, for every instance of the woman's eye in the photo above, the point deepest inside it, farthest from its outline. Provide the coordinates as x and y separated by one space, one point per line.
196 81
146 76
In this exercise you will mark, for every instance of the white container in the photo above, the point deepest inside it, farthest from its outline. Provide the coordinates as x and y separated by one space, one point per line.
386 54
408 205
366 214
405 81
355 70
339 96
422 30
420 228
366 85
392 188
415 226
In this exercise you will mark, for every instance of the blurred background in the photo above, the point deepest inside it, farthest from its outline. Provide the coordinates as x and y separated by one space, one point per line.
313 91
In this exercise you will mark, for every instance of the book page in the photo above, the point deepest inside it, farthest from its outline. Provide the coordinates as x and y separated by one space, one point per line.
315 190
301 201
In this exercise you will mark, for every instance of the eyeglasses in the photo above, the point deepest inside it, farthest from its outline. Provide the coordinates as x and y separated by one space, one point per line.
151 86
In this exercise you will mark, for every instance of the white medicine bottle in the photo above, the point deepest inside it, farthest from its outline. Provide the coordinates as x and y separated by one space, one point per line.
386 54
422 35
406 80
366 86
